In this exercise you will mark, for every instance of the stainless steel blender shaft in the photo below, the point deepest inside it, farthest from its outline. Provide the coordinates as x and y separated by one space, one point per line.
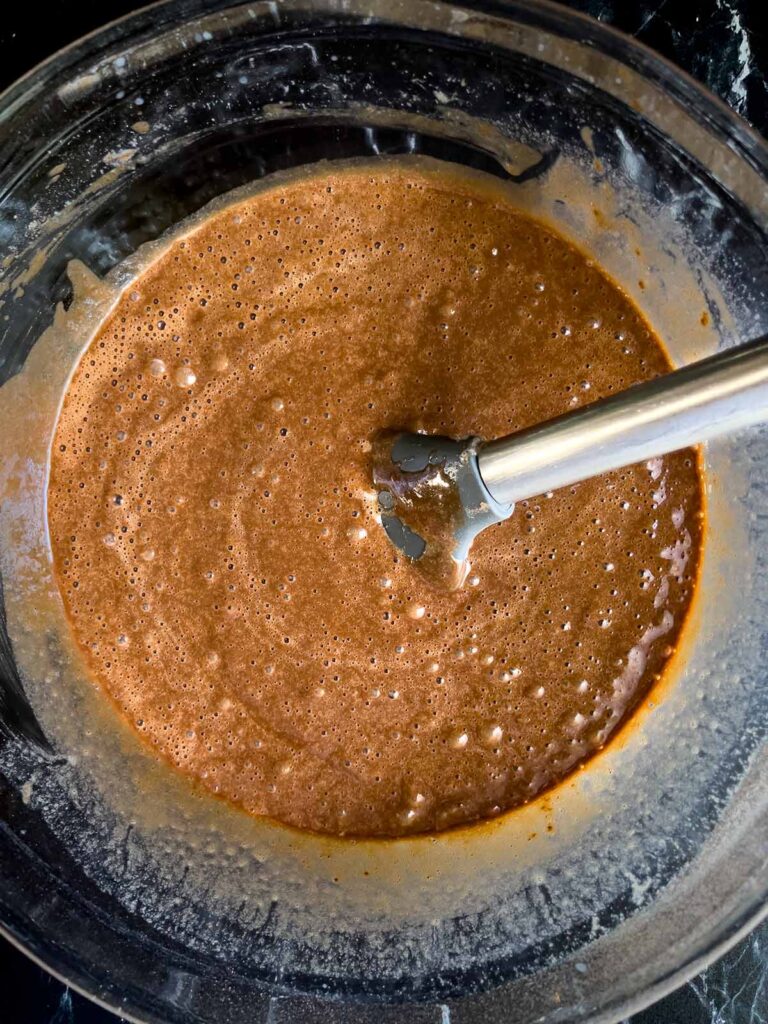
695 403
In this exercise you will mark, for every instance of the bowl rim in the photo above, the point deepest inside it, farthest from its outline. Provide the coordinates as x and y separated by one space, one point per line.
681 84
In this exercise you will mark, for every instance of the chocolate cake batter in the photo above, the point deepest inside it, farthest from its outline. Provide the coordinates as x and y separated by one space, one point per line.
213 521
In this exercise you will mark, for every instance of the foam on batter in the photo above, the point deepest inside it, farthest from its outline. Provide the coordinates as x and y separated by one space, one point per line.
215 532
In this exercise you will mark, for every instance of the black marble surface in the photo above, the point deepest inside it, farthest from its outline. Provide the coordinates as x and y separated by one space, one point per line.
723 43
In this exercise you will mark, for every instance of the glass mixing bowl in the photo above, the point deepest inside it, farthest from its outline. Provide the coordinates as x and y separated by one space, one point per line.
625 881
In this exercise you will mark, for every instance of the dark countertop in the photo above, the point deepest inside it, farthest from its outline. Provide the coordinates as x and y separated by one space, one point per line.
723 43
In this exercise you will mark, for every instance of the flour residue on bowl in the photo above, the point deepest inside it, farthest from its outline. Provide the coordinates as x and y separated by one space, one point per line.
149 838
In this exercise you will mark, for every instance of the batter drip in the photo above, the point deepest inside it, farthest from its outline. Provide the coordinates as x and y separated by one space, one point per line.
213 522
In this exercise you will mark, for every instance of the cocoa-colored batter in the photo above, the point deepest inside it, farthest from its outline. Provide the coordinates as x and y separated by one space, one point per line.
213 521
